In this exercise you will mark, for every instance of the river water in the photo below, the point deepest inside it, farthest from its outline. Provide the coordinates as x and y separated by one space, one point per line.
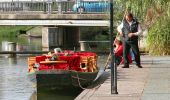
14 84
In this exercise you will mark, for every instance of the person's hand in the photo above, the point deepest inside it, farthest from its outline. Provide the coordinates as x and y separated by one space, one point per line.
130 35
121 34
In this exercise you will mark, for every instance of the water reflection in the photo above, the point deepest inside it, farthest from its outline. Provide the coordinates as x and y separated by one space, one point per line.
22 43
12 60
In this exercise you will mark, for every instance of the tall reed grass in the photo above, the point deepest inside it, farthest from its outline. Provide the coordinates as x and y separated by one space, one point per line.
158 39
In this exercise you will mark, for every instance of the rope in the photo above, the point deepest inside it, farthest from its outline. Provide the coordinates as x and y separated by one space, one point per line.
107 62
79 83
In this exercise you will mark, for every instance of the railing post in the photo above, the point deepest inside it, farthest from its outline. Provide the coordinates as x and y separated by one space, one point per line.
113 67
44 6
59 7
49 2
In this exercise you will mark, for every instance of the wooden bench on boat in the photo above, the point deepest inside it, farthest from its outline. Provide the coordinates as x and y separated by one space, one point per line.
52 62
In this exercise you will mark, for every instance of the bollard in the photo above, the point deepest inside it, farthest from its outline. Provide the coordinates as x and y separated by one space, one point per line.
12 47
4 46
82 46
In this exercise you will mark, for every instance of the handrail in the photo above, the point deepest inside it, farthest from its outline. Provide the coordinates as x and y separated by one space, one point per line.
51 7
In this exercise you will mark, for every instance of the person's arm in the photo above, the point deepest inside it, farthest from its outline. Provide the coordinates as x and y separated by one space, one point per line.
119 29
139 30
136 33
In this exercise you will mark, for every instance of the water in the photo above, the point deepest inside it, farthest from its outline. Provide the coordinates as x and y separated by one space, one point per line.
13 80
14 84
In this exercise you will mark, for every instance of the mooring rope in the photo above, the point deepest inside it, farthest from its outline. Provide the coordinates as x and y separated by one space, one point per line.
79 83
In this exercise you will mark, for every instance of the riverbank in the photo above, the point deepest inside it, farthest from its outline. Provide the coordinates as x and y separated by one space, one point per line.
149 83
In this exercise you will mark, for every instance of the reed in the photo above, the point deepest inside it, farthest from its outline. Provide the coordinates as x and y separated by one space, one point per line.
158 39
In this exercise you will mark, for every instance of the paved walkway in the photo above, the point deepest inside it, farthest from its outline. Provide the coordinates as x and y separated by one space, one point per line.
149 83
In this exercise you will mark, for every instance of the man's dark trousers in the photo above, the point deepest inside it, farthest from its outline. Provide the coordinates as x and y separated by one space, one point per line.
126 50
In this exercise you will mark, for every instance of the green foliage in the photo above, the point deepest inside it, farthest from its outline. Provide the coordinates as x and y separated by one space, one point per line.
94 33
101 37
158 38
12 31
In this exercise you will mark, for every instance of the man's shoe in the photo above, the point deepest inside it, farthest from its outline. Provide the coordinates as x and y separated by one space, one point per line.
125 66
139 66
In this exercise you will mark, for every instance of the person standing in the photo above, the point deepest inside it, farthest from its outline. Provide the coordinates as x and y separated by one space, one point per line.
130 29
